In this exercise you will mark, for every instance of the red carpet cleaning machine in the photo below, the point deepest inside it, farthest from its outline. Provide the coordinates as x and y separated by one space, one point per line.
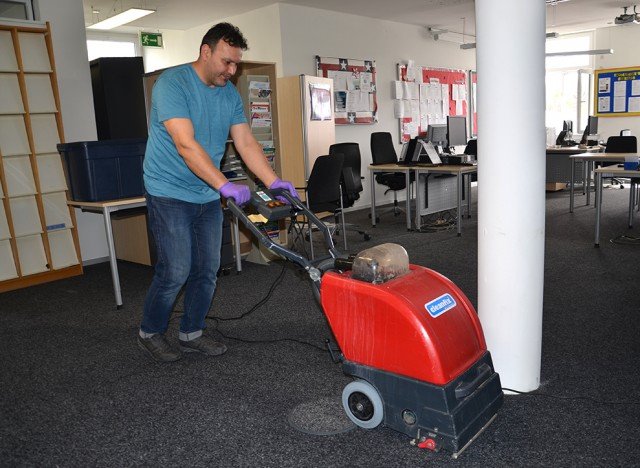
409 336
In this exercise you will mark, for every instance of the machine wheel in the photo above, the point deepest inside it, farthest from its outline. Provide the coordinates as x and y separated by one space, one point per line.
362 404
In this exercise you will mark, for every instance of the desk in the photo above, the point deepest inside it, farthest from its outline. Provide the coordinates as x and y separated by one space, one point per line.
457 170
558 167
390 168
613 171
111 206
589 159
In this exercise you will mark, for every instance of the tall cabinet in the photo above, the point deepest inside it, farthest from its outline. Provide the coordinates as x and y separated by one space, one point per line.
38 238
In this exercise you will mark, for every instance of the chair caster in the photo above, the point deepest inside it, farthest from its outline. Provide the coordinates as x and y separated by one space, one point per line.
367 237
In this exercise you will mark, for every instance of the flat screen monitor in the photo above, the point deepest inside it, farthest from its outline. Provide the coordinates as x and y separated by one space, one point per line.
456 131
590 129
437 134
567 126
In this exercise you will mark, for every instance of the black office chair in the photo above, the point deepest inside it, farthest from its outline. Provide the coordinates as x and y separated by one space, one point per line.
619 144
323 192
383 152
351 179
472 150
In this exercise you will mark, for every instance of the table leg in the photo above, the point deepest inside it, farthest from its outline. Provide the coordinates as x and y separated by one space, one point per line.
407 179
598 206
418 199
468 196
115 277
632 193
459 187
373 198
235 232
590 166
571 183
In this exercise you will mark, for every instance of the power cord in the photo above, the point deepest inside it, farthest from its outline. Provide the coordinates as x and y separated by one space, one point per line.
559 397
625 240
442 221
217 320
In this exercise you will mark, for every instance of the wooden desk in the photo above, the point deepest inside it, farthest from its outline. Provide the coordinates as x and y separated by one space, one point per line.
111 206
613 171
459 171
589 160
559 165
391 168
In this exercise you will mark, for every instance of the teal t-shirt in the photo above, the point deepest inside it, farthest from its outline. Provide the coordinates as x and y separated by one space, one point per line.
179 93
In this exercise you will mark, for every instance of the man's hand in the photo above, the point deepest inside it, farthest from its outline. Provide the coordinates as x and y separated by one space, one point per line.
240 193
285 185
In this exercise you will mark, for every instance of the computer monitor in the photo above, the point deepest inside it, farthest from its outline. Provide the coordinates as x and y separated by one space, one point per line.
567 126
456 131
437 134
590 129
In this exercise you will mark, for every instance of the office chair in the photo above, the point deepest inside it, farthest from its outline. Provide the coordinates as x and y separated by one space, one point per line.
619 144
351 179
472 150
383 152
323 192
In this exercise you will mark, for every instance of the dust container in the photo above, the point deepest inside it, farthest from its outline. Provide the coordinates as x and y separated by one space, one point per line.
381 263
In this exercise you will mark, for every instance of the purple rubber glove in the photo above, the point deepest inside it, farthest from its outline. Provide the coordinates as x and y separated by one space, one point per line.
240 193
285 185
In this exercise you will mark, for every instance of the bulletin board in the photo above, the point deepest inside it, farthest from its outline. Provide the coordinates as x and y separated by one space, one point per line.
432 94
354 88
617 92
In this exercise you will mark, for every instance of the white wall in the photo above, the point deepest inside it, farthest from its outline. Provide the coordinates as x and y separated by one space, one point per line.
74 82
307 32
260 27
623 39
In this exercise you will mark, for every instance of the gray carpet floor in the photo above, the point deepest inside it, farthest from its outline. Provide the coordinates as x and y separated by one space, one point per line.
76 391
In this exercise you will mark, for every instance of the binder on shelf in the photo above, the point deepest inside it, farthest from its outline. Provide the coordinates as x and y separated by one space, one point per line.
25 216
7 263
19 176
51 173
63 252
10 96
13 135
8 62
40 94
56 211
4 225
37 58
31 254
45 133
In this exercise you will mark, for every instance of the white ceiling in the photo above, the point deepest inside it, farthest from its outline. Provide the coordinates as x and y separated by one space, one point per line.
569 16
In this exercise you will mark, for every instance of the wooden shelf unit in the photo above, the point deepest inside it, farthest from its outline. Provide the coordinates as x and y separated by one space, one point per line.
38 236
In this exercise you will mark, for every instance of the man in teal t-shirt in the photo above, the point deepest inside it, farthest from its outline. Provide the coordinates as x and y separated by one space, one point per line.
194 110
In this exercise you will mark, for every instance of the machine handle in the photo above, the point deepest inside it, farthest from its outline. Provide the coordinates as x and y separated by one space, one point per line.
465 389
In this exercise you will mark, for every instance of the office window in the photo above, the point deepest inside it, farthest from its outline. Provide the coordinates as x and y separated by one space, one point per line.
568 82
17 9
112 45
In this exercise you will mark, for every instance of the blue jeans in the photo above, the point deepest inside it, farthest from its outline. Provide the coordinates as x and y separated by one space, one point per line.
188 238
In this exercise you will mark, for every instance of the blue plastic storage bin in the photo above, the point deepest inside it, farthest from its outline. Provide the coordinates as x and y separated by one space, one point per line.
104 170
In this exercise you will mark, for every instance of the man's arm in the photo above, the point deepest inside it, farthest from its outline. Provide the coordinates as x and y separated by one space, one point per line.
251 153
194 155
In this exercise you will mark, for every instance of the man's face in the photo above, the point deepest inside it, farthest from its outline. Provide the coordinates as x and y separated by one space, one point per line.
220 63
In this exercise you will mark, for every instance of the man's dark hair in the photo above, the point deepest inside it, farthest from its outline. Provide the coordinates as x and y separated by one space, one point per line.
228 33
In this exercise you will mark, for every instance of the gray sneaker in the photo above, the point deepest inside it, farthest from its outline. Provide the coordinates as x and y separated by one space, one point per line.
159 348
203 344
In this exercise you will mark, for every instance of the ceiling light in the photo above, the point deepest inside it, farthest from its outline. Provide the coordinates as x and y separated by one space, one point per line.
580 52
125 17
472 45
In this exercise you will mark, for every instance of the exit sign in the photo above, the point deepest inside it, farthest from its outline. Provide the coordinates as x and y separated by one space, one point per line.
151 39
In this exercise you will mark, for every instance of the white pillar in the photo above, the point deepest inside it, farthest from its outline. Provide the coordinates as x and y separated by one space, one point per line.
510 36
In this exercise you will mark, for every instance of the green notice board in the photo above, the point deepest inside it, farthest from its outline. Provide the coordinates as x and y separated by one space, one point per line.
151 39
617 92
